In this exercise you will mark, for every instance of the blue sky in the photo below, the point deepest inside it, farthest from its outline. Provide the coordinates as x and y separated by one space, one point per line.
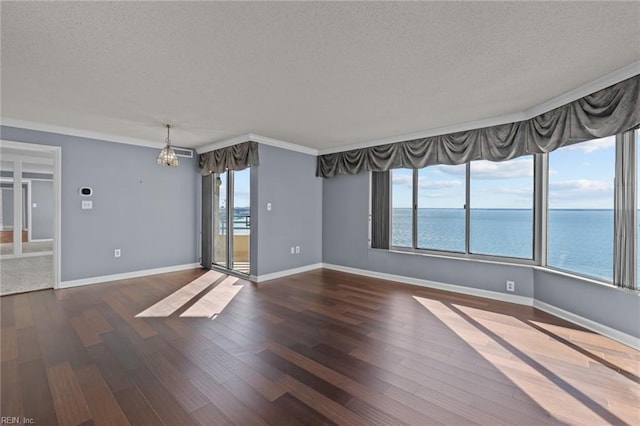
240 187
580 176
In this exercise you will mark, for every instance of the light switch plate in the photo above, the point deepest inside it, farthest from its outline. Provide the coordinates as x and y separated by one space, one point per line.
268 207
87 205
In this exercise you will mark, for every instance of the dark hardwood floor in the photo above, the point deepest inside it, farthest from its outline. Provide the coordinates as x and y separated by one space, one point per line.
321 347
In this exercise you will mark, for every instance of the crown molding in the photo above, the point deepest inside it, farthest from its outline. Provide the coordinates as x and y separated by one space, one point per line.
265 140
603 82
510 118
69 131
284 145
223 143
607 80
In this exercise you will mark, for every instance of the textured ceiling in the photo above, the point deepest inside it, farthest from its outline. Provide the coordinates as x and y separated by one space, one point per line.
321 75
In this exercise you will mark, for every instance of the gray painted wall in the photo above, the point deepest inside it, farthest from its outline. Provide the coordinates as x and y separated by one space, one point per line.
345 242
345 221
614 307
144 209
287 180
42 219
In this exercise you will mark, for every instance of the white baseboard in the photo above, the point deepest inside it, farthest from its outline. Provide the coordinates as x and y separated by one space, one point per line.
285 273
511 298
41 240
612 333
127 275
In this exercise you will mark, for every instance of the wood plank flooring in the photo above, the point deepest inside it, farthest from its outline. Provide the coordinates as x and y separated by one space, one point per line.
322 347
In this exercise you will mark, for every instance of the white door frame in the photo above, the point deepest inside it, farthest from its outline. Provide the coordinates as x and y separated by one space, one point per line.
57 193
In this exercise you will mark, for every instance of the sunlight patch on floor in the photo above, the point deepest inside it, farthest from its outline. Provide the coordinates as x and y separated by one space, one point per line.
630 366
510 350
214 302
179 298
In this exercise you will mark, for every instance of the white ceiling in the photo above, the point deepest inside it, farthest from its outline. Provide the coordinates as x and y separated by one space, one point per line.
321 75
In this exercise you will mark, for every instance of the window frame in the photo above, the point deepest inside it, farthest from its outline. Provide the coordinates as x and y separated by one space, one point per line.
467 254
540 224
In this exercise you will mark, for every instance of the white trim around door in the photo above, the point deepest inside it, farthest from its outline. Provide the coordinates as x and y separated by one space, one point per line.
56 152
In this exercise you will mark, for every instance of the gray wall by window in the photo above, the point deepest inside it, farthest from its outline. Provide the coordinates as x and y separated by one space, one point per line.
616 307
345 243
287 180
42 215
144 209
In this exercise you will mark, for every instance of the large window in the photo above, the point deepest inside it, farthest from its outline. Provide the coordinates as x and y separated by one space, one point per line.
554 210
499 220
402 208
501 208
580 235
441 213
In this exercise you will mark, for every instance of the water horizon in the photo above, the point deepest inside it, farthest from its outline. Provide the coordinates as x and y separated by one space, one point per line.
578 240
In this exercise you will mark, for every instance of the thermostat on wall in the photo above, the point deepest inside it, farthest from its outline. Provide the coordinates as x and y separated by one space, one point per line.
85 191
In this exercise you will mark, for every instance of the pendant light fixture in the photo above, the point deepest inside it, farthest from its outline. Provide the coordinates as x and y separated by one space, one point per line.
167 156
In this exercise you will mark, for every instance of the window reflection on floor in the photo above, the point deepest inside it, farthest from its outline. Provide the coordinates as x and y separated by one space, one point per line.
209 305
523 357
214 302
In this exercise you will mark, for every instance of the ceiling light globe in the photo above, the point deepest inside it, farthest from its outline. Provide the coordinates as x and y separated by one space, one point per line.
167 157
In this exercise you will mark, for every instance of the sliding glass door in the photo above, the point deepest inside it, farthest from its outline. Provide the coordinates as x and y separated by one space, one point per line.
241 221
220 220
232 220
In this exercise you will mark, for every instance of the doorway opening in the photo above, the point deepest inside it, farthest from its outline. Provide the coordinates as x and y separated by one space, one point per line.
232 220
29 217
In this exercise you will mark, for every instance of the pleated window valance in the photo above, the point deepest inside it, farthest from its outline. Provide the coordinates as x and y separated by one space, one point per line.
610 111
235 157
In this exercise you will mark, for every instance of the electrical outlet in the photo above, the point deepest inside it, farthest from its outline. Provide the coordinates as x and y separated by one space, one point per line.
511 286
297 249
293 250
116 253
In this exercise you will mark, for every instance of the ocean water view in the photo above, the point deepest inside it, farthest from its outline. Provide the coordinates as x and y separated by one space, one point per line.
579 240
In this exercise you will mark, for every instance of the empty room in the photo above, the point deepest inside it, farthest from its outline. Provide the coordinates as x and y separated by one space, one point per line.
300 213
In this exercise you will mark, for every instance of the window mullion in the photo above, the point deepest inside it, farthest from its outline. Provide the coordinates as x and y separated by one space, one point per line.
414 210
540 208
467 208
